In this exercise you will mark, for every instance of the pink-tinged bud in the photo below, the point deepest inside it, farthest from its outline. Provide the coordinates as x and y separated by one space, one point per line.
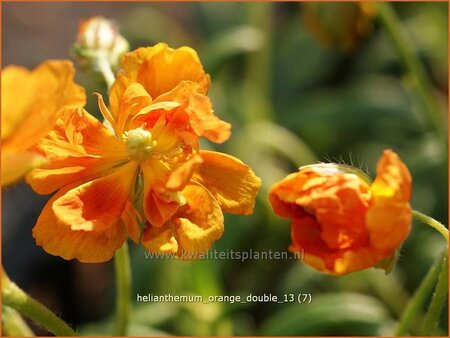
99 39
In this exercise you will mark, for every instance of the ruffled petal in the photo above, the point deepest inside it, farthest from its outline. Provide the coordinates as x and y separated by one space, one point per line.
133 99
339 204
158 206
283 196
181 176
192 230
230 181
144 65
96 205
160 239
307 240
58 239
199 109
200 223
77 148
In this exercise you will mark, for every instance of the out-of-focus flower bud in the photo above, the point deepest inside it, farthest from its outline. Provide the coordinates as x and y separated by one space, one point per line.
99 39
339 25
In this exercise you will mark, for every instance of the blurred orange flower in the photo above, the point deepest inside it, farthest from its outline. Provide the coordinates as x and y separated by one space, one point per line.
341 223
148 158
31 103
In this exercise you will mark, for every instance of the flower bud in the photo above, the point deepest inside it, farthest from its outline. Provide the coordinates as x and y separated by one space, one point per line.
99 39
340 222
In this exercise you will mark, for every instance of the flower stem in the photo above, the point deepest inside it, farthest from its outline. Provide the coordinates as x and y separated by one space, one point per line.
416 70
123 289
13 324
431 222
438 300
104 67
419 298
17 299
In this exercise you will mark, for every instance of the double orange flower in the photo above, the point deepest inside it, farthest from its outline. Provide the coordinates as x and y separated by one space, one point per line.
146 156
340 222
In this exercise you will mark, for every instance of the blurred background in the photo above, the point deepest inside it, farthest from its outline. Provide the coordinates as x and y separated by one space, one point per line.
300 83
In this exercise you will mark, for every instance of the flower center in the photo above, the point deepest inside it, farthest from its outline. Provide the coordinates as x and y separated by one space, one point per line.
139 143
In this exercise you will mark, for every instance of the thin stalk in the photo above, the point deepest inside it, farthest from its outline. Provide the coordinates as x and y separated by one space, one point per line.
437 301
256 84
414 67
431 222
17 299
13 324
104 67
123 289
418 299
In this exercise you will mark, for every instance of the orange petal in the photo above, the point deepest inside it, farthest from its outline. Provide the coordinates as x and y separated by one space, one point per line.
105 112
181 176
355 260
158 208
56 174
393 178
200 223
388 223
339 205
134 99
78 147
17 165
58 239
204 122
132 221
159 239
199 108
306 237
192 230
230 181
144 66
15 103
96 205
36 103
283 196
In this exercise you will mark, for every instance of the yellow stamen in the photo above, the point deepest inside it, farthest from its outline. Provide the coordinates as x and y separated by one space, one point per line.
140 143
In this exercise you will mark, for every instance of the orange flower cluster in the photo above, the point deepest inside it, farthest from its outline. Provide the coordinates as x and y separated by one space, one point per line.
341 223
146 156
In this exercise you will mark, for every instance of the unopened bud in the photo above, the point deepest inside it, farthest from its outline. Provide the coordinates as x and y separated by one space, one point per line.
99 39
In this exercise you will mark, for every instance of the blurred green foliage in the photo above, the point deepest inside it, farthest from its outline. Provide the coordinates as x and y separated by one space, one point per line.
294 101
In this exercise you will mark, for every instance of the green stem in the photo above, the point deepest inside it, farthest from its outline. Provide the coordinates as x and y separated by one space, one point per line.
418 74
437 301
123 289
104 67
17 299
13 324
256 85
432 223
418 299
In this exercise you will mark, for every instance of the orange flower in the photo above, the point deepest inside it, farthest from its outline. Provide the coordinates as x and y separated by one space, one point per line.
31 103
149 158
341 223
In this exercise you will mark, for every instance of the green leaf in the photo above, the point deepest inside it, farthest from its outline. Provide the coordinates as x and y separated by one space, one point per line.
329 314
